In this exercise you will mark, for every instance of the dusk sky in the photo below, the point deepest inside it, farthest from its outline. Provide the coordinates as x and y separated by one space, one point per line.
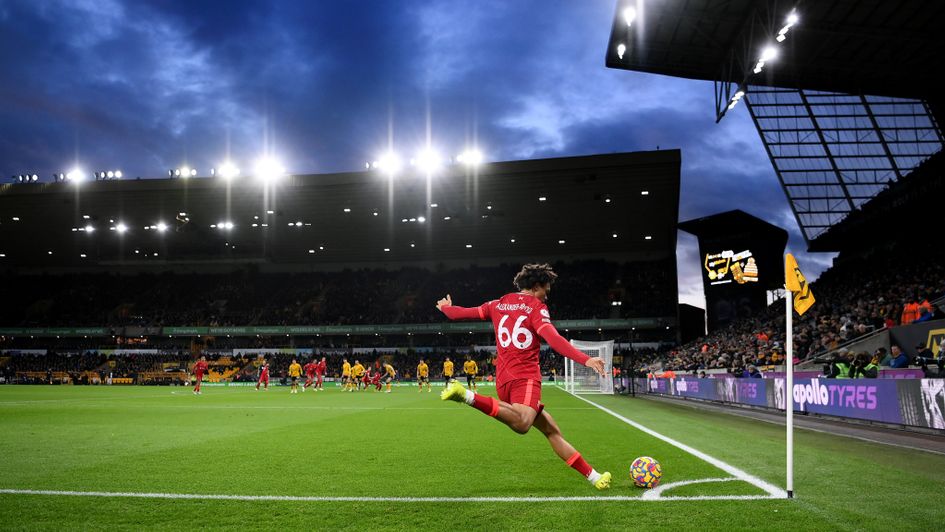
149 85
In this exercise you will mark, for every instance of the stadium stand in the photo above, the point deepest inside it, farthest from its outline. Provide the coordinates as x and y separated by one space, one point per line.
586 290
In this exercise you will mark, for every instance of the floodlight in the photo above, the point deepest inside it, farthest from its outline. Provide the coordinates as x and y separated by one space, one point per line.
389 163
770 52
268 169
471 157
228 171
621 49
629 15
428 160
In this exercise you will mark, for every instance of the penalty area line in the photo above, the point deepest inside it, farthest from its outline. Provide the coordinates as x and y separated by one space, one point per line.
773 491
297 498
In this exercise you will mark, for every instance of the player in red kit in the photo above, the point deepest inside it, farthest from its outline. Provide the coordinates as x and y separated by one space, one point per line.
320 369
519 319
309 374
199 369
263 377
376 380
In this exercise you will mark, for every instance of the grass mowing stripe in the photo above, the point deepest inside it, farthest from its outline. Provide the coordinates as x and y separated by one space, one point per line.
299 498
773 491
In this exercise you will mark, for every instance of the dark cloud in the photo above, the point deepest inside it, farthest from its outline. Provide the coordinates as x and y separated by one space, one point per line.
150 85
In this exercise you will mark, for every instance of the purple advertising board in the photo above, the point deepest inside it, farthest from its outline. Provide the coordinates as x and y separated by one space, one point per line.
918 402
873 399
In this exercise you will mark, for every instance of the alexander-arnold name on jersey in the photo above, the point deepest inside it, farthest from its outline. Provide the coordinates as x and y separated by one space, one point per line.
517 306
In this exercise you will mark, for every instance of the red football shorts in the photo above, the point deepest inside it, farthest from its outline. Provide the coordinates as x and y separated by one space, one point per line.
522 391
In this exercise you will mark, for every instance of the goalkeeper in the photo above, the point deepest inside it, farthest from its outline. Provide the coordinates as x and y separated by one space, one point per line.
519 319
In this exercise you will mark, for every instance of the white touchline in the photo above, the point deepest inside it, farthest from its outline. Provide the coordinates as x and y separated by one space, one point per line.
772 490
294 498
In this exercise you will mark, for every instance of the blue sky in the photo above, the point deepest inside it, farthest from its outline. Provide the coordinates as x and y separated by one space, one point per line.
150 85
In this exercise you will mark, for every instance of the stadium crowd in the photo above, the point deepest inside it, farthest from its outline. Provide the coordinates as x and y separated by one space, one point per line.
855 297
586 289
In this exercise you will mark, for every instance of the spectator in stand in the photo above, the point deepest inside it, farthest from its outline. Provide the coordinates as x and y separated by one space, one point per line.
881 356
910 312
753 373
899 359
925 314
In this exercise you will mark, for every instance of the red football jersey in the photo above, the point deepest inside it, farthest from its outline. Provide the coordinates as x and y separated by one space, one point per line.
310 368
517 319
200 367
265 370
320 368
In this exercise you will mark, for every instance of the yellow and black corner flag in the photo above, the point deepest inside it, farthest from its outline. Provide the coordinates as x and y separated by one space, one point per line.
795 282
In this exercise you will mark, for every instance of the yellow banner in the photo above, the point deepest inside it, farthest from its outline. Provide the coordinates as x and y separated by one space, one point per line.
795 282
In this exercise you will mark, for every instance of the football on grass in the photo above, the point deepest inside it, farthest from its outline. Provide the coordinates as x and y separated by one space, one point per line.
646 472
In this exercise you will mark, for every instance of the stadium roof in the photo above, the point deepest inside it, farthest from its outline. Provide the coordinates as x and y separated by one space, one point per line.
874 47
520 210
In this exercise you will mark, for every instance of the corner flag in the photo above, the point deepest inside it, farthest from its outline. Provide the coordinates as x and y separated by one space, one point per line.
795 282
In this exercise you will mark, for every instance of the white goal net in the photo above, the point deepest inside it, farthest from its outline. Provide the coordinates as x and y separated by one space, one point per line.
581 379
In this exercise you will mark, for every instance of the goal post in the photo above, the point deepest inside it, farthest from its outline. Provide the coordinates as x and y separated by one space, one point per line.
581 379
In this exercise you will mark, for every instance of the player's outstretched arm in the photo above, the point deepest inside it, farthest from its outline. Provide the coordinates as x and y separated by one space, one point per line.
562 346
453 312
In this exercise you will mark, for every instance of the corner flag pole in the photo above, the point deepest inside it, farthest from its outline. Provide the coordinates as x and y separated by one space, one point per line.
795 286
789 389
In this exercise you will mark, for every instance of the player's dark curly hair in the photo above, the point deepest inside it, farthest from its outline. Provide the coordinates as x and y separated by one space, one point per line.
534 274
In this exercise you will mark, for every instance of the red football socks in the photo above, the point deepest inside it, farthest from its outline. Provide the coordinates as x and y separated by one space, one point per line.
485 404
579 464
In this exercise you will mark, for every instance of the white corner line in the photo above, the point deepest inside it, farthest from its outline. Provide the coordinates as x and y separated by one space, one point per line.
656 492
772 490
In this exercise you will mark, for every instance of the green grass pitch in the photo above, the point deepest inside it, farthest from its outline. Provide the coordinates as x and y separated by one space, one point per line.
236 441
